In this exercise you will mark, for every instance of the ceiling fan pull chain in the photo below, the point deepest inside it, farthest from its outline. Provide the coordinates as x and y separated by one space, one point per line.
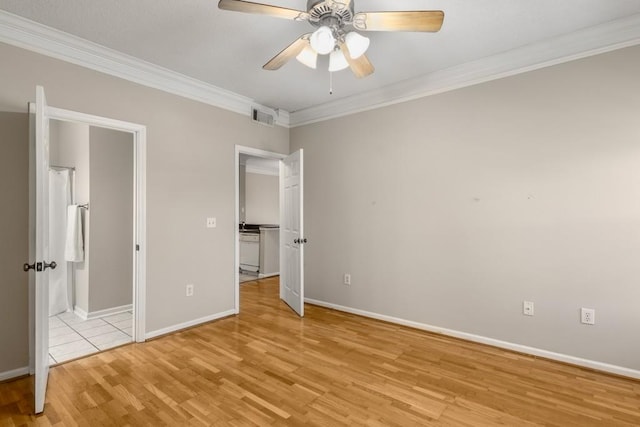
330 83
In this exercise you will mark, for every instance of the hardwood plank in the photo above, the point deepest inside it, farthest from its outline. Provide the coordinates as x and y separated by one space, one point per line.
266 366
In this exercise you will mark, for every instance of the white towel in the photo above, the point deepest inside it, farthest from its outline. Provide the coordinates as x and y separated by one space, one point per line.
74 246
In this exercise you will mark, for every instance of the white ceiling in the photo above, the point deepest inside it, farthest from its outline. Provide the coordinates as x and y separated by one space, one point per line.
228 49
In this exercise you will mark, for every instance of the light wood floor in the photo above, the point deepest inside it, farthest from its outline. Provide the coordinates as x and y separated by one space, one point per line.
267 366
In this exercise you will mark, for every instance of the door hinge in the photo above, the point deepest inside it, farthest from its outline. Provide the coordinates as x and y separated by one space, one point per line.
137 247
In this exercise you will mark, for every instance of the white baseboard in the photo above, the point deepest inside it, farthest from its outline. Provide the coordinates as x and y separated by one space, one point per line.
264 276
109 311
80 312
592 364
101 313
189 324
14 373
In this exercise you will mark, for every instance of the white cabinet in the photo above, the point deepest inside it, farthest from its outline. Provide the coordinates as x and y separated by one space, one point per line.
260 251
269 251
250 252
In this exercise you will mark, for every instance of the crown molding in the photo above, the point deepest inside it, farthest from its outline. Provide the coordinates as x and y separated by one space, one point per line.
580 44
24 33
30 35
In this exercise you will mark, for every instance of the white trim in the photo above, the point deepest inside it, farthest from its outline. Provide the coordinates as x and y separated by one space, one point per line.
30 35
264 276
27 34
591 41
109 311
140 255
139 133
14 373
80 313
189 324
592 364
256 152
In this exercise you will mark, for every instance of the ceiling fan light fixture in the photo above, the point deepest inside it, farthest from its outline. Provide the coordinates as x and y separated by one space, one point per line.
322 40
308 57
357 44
337 61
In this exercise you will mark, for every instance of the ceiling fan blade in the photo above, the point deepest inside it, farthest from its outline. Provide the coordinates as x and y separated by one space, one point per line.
262 9
425 20
287 53
361 66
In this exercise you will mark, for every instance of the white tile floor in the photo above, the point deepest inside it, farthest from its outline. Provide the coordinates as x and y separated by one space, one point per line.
71 337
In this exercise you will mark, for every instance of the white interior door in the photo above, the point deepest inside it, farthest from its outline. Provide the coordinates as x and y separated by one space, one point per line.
292 232
42 261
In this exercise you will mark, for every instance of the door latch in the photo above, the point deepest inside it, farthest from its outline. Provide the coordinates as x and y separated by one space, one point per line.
39 266
52 265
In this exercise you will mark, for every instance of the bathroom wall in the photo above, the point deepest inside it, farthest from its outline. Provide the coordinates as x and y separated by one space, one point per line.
111 210
69 146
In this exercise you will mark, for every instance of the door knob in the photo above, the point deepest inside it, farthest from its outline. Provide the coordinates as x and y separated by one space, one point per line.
52 265
27 266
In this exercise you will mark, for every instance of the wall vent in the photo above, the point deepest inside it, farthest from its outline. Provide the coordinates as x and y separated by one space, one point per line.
263 116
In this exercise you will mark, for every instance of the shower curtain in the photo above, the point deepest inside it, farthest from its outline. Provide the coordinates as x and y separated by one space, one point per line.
60 280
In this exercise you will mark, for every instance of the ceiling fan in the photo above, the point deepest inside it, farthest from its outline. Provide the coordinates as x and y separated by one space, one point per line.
334 36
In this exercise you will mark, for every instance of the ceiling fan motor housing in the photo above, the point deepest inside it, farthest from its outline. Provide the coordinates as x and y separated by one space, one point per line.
330 13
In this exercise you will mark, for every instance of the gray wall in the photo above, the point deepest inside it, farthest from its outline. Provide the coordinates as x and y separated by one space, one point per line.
69 146
262 199
451 210
242 203
14 251
111 212
190 176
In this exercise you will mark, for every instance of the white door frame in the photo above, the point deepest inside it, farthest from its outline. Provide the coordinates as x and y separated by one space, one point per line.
255 152
139 133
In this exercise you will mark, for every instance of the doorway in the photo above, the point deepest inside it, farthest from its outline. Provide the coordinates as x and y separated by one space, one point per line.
259 217
40 262
257 239
289 241
91 200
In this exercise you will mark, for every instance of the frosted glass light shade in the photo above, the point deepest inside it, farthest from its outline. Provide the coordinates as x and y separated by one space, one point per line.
356 44
308 57
337 61
322 40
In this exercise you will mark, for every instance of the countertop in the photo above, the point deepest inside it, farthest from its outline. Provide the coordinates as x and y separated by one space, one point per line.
255 228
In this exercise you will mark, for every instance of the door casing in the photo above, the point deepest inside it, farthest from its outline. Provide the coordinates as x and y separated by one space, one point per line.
255 152
139 133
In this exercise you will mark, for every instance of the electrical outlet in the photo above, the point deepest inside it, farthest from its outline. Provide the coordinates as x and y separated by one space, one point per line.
527 308
347 279
211 223
190 290
588 316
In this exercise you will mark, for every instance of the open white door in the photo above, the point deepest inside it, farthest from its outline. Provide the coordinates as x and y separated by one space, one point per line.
42 261
292 232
